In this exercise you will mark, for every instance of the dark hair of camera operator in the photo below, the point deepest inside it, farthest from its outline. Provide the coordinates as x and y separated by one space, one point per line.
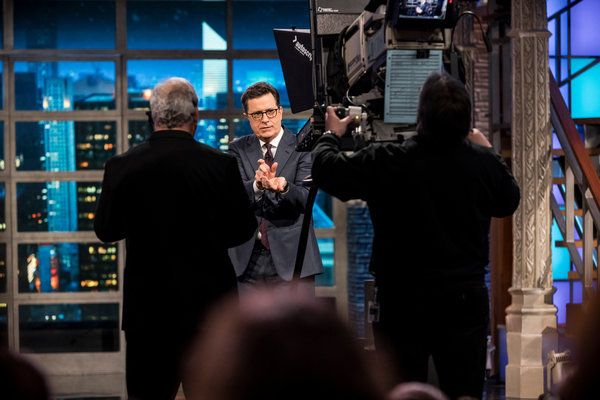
431 199
259 89
444 112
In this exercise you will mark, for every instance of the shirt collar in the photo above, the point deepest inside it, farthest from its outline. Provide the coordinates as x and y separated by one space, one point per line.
275 141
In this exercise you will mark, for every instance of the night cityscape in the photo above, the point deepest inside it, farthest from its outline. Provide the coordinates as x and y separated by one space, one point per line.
73 145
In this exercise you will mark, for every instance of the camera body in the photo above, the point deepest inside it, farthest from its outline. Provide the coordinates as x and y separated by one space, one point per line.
377 64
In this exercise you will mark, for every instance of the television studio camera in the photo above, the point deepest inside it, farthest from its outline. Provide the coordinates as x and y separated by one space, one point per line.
369 59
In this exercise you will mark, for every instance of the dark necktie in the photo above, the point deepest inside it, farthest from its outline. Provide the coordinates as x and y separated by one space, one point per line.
262 228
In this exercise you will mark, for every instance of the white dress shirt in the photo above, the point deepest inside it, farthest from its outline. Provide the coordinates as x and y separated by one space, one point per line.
274 145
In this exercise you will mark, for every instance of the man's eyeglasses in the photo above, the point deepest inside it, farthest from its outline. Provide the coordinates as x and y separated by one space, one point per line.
257 116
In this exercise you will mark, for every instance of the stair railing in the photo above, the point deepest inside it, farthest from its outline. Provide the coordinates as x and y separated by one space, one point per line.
579 173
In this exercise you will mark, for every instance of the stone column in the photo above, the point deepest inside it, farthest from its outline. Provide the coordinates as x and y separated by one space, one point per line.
531 317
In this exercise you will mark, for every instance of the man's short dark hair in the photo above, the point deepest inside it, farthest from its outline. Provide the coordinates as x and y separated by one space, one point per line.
259 89
444 111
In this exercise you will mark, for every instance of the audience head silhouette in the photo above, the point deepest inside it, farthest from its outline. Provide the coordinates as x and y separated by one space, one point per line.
19 379
279 347
416 391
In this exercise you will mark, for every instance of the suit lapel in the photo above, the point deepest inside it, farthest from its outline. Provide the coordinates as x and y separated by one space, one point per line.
253 154
286 147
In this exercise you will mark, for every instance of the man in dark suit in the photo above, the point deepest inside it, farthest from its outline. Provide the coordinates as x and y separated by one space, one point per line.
431 200
179 204
273 172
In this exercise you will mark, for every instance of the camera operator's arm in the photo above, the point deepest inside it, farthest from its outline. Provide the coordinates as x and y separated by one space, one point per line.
341 175
505 193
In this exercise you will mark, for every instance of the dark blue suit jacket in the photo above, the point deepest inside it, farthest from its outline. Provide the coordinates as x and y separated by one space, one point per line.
284 212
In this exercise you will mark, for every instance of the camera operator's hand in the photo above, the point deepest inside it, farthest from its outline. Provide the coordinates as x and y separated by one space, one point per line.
479 138
334 124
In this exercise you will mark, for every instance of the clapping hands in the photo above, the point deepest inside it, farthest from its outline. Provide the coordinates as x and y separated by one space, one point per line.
266 180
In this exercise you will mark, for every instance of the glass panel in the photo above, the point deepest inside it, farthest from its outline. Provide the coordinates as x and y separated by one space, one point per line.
2 267
3 325
294 125
561 261
1 83
60 24
2 207
2 165
323 211
584 29
191 24
241 127
552 41
69 328
562 297
564 90
67 267
64 145
585 90
326 247
253 21
65 85
209 78
555 5
58 206
564 35
247 72
213 132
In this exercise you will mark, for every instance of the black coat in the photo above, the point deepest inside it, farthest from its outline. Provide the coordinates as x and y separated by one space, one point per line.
179 204
430 204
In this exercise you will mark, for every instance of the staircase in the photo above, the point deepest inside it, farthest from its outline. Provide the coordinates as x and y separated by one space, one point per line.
575 201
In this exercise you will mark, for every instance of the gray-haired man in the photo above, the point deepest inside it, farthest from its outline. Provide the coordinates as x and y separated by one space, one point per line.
179 204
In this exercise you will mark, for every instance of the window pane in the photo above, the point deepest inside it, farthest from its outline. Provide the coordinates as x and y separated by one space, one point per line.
209 78
67 267
59 24
2 268
191 24
585 90
2 165
253 21
69 328
65 85
1 83
247 72
326 247
2 207
583 26
59 206
241 127
213 132
64 145
323 211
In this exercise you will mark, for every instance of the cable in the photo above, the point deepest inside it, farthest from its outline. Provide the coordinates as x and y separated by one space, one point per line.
486 40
